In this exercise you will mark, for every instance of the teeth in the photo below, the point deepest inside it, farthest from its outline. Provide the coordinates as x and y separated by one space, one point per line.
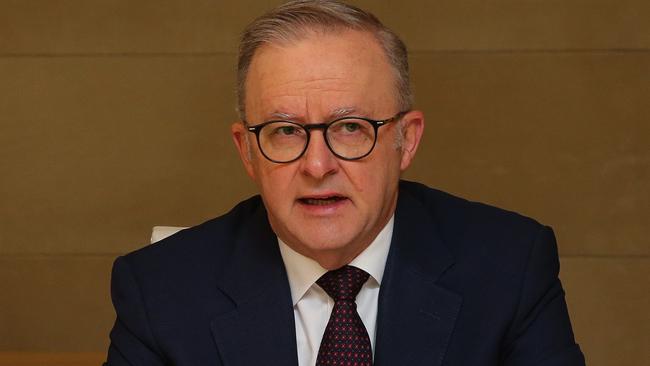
321 201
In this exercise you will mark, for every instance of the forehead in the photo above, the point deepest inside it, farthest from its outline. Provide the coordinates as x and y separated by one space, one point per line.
318 74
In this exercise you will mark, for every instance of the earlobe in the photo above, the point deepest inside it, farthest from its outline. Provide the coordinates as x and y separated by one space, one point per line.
413 128
242 143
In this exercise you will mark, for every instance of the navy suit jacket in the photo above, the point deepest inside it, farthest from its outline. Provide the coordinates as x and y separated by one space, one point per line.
464 284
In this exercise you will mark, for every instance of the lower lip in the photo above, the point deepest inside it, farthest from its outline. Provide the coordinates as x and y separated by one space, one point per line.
322 210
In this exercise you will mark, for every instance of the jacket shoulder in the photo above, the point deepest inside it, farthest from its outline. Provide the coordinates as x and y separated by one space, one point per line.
479 231
213 239
448 207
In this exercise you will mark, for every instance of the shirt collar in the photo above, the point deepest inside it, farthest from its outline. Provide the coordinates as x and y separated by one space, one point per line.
303 272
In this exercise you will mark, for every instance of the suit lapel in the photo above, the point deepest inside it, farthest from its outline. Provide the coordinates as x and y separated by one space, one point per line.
260 329
416 316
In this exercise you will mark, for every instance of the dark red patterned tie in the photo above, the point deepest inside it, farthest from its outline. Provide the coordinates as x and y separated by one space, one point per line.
345 341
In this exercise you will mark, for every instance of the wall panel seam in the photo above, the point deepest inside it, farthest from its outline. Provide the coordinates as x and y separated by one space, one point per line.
116 54
5 256
414 51
531 50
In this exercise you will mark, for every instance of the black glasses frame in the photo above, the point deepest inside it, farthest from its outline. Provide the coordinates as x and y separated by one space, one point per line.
322 126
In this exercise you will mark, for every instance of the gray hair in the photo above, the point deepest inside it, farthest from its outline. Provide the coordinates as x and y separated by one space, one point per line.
291 21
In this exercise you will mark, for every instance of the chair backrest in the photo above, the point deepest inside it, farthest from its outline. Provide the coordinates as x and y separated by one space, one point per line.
161 232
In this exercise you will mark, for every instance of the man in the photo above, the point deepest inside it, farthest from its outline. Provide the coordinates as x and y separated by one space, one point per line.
337 262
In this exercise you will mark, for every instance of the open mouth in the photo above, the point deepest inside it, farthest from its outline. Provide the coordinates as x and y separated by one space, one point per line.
321 201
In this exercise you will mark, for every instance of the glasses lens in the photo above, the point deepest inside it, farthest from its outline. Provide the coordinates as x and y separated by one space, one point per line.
351 138
282 141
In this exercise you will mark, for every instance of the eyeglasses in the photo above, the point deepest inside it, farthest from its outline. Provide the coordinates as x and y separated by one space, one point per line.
348 138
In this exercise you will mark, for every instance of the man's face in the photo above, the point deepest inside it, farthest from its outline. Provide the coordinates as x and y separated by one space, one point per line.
323 207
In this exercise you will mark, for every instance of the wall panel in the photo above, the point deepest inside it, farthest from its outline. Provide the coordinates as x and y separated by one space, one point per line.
109 27
115 118
521 25
55 303
95 151
561 137
175 26
608 299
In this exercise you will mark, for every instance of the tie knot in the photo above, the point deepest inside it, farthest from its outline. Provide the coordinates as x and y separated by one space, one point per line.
343 283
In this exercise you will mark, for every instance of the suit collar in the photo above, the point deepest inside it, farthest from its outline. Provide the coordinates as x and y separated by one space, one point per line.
259 329
416 315
303 272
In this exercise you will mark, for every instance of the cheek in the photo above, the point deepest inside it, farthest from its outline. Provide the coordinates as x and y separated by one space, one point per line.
371 180
275 184
383 175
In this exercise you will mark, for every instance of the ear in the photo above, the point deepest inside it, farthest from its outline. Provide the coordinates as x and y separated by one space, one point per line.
412 130
241 139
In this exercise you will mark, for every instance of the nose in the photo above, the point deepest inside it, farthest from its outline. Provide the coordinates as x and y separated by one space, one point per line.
318 161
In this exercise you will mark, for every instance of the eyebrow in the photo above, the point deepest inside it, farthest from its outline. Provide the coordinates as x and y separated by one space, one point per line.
336 113
281 115
341 112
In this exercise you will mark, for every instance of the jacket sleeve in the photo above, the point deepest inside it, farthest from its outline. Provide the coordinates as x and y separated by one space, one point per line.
541 332
132 341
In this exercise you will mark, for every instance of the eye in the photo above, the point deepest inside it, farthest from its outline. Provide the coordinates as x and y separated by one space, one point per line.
283 129
351 126
286 130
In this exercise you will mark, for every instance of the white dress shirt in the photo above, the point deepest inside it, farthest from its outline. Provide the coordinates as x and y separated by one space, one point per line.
312 306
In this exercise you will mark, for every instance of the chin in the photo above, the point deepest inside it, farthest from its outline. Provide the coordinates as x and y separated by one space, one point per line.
332 239
311 236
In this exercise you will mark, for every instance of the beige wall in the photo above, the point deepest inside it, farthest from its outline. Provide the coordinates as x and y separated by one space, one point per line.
114 117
